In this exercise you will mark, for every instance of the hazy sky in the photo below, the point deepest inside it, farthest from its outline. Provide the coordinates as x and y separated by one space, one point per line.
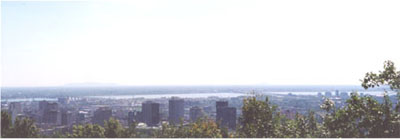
197 42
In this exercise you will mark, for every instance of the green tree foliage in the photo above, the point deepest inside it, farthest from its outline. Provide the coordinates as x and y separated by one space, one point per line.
24 128
300 127
131 132
5 124
312 125
389 76
87 131
259 119
202 128
363 117
113 129
58 134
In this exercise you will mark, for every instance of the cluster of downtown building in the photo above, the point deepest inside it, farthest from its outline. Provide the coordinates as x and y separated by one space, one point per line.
61 115
150 113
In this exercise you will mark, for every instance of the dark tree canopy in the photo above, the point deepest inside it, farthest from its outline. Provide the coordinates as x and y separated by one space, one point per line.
389 76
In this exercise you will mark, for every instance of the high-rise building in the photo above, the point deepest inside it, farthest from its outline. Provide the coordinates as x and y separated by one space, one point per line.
229 117
139 117
344 95
66 117
219 105
81 118
328 94
49 112
226 116
176 110
337 93
131 117
42 105
15 110
196 113
151 113
102 114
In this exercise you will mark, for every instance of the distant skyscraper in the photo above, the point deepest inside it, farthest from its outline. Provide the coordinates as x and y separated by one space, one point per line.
176 110
226 115
219 105
328 94
229 117
319 94
49 112
42 105
102 114
139 117
196 113
15 109
151 113
82 115
344 95
337 93
66 117
131 117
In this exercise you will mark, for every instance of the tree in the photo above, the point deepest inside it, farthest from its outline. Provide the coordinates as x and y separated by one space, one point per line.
131 132
25 128
5 124
300 127
58 134
113 129
259 119
202 128
389 76
312 125
87 131
364 116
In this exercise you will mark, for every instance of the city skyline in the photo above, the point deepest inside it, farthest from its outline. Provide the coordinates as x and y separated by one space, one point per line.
196 42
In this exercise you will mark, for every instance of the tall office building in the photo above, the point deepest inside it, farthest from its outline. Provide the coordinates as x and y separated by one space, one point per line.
102 114
81 118
49 112
219 105
328 94
151 113
344 95
131 117
15 109
176 110
229 117
337 93
42 105
66 117
226 116
196 113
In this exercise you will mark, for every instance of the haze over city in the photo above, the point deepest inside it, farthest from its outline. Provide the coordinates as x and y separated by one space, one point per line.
224 42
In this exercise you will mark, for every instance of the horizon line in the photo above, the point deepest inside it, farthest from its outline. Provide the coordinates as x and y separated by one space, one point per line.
177 85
